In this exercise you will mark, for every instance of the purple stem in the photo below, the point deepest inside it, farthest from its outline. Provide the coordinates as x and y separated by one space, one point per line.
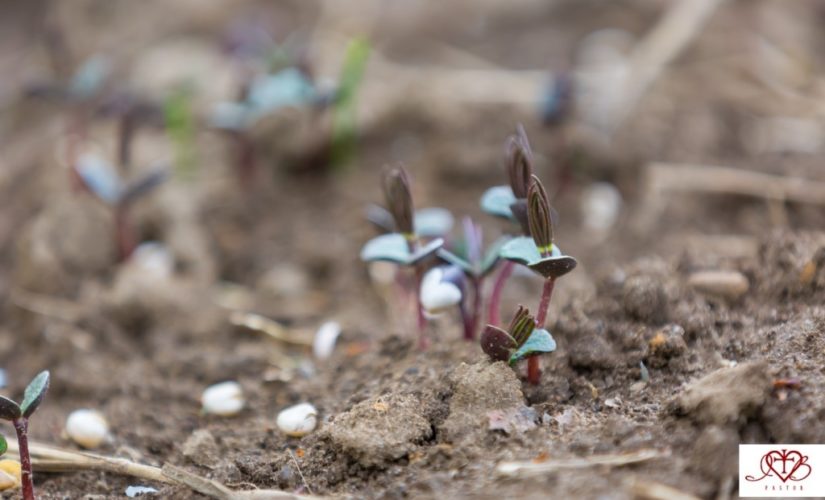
533 366
494 307
21 426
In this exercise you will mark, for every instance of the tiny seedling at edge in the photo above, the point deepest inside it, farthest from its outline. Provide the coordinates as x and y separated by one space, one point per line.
19 415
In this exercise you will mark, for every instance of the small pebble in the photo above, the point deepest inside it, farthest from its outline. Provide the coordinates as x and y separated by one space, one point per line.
223 399
727 284
324 342
298 420
88 428
9 474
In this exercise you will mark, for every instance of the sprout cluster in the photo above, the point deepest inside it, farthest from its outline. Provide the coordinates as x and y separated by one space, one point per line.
451 272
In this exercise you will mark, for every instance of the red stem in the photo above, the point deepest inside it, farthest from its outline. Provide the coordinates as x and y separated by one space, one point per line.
533 362
21 426
494 312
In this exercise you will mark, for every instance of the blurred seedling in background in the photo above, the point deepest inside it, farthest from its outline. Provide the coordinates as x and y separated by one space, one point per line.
100 179
538 253
19 414
344 123
263 96
404 247
476 263
181 128
79 91
521 339
287 83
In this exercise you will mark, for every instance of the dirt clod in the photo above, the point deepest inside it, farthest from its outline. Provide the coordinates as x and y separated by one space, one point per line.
479 389
644 299
201 448
378 431
726 396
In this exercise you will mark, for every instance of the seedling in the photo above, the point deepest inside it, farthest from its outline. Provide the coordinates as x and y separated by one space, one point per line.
477 264
265 95
79 91
19 415
540 255
343 107
181 129
510 202
403 247
100 179
521 339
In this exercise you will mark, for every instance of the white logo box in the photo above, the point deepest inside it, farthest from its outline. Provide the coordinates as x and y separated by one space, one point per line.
782 470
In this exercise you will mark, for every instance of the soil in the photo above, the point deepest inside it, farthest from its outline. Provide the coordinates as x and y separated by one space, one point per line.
644 360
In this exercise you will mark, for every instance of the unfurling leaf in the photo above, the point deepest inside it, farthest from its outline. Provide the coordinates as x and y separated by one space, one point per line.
540 341
519 163
497 343
539 218
398 193
9 410
35 393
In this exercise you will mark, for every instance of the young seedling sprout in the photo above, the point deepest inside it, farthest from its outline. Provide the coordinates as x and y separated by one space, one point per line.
540 255
476 264
403 247
101 180
510 202
19 415
521 339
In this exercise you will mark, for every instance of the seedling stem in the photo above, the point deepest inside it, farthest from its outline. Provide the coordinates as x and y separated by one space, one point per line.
533 366
494 313
21 427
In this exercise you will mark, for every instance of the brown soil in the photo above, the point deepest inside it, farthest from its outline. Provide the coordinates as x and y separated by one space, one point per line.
394 421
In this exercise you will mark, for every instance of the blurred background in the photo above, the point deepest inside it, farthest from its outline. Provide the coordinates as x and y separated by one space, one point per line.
245 139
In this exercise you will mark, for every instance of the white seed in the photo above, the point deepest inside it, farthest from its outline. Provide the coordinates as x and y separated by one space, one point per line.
324 342
136 491
601 203
154 258
223 399
298 420
437 296
88 428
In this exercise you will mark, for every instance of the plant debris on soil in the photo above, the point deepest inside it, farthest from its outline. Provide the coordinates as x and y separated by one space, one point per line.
693 323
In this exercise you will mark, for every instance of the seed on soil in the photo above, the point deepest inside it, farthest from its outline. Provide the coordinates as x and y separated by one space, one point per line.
154 258
729 285
224 399
9 474
298 420
324 342
136 491
600 204
88 428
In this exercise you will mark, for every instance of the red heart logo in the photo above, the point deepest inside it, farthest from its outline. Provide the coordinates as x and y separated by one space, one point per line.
786 463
